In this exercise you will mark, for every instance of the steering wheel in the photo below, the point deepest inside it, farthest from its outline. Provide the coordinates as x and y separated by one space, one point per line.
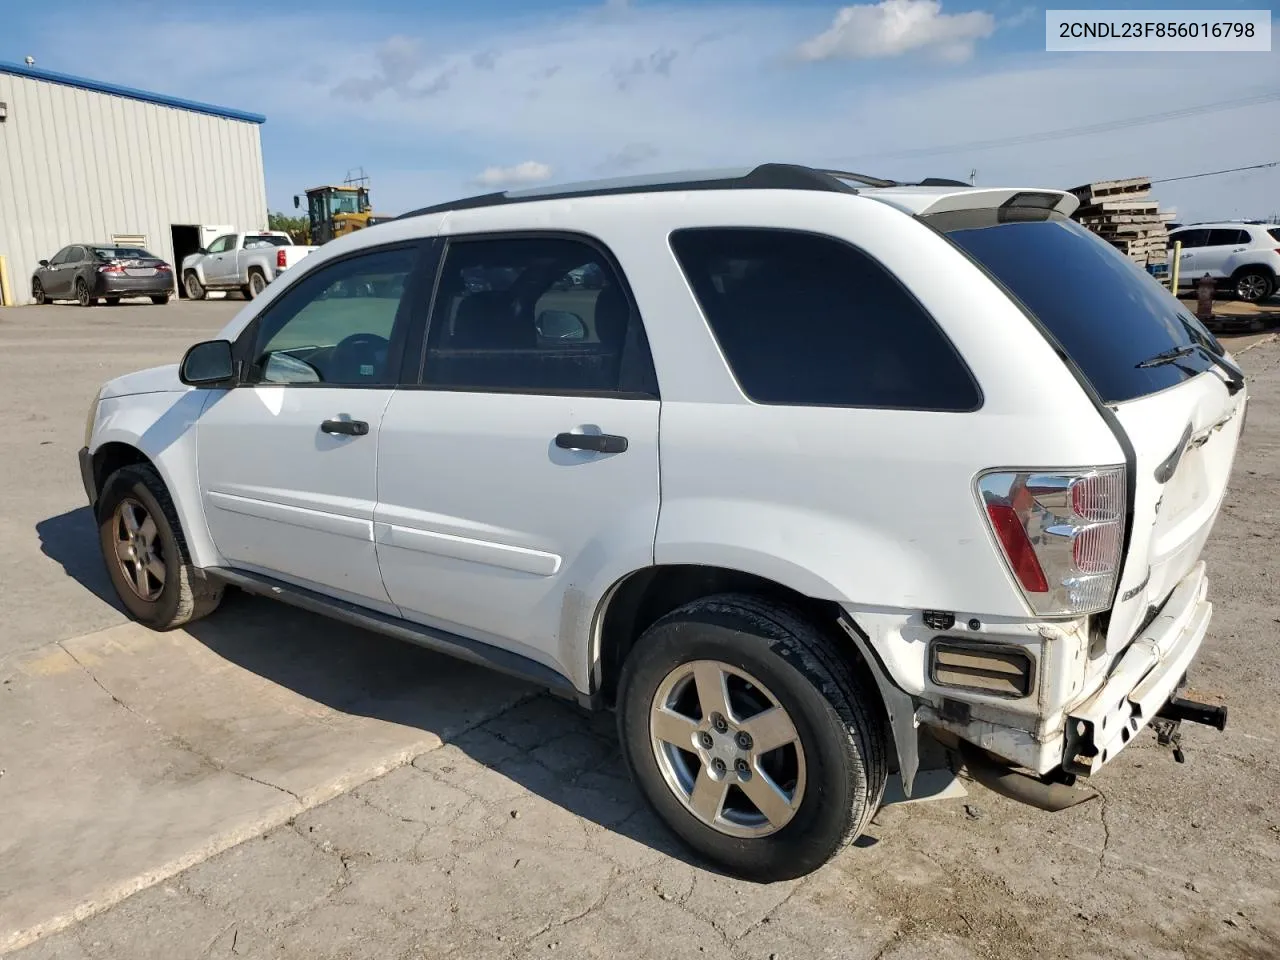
358 357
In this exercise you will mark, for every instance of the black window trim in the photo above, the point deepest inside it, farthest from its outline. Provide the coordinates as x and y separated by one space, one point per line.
418 374
946 339
408 316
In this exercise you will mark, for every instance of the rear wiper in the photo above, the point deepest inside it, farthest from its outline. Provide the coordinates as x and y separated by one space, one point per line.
1166 356
1235 376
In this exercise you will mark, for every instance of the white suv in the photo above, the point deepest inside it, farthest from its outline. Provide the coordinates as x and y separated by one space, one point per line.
1242 257
801 471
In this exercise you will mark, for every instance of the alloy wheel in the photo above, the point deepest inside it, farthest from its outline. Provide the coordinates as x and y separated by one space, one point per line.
82 293
37 291
138 549
727 749
1251 287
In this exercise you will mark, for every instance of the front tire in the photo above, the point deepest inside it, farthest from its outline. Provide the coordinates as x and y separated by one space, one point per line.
195 289
37 292
752 736
145 552
1253 285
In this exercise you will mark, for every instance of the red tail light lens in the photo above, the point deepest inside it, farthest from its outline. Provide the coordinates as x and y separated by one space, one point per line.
1061 534
162 267
111 268
1017 547
281 263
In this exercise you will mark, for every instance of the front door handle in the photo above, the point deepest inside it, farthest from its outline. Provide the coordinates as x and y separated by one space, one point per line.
349 428
595 442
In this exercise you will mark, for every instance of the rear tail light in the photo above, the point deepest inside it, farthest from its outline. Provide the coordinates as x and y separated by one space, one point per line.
162 267
280 259
111 268
1061 534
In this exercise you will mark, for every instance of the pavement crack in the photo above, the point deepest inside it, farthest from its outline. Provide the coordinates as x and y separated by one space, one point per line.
1106 831
171 737
101 686
768 917
609 889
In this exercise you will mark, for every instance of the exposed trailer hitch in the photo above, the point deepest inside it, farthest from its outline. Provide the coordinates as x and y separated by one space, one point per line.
1168 722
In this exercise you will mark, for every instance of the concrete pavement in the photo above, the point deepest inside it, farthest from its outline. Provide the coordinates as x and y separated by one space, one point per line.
131 759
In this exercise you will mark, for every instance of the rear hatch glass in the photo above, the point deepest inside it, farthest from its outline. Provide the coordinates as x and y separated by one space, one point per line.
1149 360
1107 313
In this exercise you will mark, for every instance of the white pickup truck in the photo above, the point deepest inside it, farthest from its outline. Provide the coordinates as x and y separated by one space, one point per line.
240 261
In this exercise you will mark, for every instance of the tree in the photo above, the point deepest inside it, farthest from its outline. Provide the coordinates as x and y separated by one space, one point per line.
298 228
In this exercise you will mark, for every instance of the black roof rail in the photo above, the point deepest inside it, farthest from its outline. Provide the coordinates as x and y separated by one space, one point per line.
766 176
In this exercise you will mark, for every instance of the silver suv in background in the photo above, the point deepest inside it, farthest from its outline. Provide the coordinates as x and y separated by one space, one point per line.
1243 258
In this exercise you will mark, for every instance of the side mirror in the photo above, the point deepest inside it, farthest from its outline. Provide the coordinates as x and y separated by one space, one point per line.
207 364
560 325
44 263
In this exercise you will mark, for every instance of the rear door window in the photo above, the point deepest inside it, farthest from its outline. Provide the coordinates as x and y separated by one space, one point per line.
1227 238
1109 315
807 320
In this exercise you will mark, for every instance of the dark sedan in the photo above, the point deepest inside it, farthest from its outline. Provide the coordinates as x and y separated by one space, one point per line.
90 272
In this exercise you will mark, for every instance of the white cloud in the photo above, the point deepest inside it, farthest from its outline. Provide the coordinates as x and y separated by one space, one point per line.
531 171
894 27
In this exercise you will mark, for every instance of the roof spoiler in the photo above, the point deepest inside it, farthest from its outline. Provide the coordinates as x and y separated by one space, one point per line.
978 198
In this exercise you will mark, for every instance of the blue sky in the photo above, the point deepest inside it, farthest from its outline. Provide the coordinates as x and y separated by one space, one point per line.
441 98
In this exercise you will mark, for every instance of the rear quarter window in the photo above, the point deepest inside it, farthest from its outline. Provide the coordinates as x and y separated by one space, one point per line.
807 320
1106 313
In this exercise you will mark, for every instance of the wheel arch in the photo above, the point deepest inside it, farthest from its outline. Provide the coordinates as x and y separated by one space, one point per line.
1260 267
639 599
158 429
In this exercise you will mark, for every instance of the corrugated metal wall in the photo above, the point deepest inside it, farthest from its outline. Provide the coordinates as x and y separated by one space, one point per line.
78 166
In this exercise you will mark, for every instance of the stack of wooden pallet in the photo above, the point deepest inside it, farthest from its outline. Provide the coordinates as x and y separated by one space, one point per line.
1123 213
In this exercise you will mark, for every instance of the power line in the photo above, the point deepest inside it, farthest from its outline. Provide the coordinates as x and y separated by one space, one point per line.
1216 173
1069 132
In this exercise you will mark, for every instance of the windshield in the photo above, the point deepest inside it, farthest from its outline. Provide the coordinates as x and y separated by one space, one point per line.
1107 313
122 253
345 203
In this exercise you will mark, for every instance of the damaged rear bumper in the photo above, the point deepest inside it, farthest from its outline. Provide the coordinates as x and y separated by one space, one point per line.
1144 679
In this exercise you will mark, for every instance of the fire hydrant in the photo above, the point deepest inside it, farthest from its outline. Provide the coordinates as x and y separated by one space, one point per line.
1204 298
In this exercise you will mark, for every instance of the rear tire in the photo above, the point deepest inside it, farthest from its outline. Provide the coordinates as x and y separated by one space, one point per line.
83 296
257 283
160 300
146 554
113 301
1252 285
830 775
195 289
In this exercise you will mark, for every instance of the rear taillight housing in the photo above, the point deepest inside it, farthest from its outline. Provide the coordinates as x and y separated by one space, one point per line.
1061 534
111 268
281 263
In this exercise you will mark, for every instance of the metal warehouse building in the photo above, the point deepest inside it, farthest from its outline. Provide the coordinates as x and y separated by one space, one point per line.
88 162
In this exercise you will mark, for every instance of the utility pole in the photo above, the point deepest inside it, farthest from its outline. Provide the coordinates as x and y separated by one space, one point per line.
973 175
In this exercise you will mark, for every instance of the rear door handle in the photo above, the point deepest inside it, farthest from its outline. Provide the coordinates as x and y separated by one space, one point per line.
596 442
350 428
